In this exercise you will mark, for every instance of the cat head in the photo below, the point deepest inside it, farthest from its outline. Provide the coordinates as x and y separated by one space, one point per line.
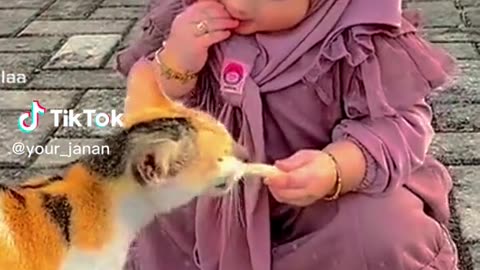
174 148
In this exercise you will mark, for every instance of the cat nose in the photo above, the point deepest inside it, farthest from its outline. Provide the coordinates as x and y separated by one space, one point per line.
241 152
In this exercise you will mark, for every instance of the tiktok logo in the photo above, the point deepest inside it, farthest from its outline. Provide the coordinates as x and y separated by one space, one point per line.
34 115
68 118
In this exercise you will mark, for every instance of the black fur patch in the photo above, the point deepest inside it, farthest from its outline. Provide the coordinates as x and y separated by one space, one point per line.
10 191
55 178
114 164
45 183
173 127
60 210
35 186
111 164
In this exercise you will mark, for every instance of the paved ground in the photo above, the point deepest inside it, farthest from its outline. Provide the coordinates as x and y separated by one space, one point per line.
60 52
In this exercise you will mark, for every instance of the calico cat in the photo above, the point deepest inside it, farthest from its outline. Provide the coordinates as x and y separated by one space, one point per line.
164 156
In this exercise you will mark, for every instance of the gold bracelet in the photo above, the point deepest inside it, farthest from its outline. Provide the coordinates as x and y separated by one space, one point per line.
338 181
169 73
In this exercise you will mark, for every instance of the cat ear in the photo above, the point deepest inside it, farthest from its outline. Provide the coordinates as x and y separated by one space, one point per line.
143 88
152 165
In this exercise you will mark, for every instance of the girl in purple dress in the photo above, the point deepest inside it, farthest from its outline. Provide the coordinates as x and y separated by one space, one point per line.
333 93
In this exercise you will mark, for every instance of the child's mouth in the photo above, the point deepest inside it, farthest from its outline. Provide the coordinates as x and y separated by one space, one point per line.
245 24
242 22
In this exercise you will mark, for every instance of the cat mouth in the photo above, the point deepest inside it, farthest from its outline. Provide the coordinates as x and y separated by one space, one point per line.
221 185
243 170
224 185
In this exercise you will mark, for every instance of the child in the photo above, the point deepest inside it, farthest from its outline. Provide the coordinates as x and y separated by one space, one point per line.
333 93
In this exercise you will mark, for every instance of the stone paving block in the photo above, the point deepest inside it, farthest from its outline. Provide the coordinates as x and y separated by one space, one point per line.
438 13
22 99
116 3
473 16
460 50
20 175
457 117
470 72
17 176
466 88
83 51
457 148
12 19
22 3
439 35
39 172
16 68
69 9
77 79
466 190
475 251
134 33
102 101
71 27
469 3
9 176
117 13
64 151
111 62
12 135
29 44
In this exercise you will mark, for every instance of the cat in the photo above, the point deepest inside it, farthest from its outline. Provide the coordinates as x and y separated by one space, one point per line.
164 156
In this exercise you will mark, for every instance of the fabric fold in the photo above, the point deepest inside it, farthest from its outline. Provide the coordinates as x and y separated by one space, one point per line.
362 46
385 105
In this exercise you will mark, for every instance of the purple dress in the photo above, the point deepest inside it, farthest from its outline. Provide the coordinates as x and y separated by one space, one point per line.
364 80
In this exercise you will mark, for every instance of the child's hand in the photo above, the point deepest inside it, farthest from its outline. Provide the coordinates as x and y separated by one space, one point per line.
201 25
310 175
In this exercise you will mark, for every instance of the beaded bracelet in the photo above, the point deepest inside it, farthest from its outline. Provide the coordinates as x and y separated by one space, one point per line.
338 181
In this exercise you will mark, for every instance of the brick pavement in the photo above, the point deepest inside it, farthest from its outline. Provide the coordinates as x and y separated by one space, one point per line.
61 53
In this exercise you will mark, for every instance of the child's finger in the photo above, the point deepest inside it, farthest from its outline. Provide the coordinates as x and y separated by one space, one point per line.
201 2
278 180
295 161
287 181
214 37
219 24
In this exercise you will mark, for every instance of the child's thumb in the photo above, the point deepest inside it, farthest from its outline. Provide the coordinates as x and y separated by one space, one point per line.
293 162
295 180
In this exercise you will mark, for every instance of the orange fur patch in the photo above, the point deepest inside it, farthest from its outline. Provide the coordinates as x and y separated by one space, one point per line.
93 200
26 224
143 89
90 200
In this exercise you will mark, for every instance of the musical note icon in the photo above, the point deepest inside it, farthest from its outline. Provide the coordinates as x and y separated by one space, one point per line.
34 114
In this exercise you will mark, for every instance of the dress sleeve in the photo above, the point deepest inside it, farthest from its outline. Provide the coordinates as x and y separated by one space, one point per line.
387 76
155 29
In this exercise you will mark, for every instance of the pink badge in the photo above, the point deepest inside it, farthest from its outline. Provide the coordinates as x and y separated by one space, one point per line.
234 75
